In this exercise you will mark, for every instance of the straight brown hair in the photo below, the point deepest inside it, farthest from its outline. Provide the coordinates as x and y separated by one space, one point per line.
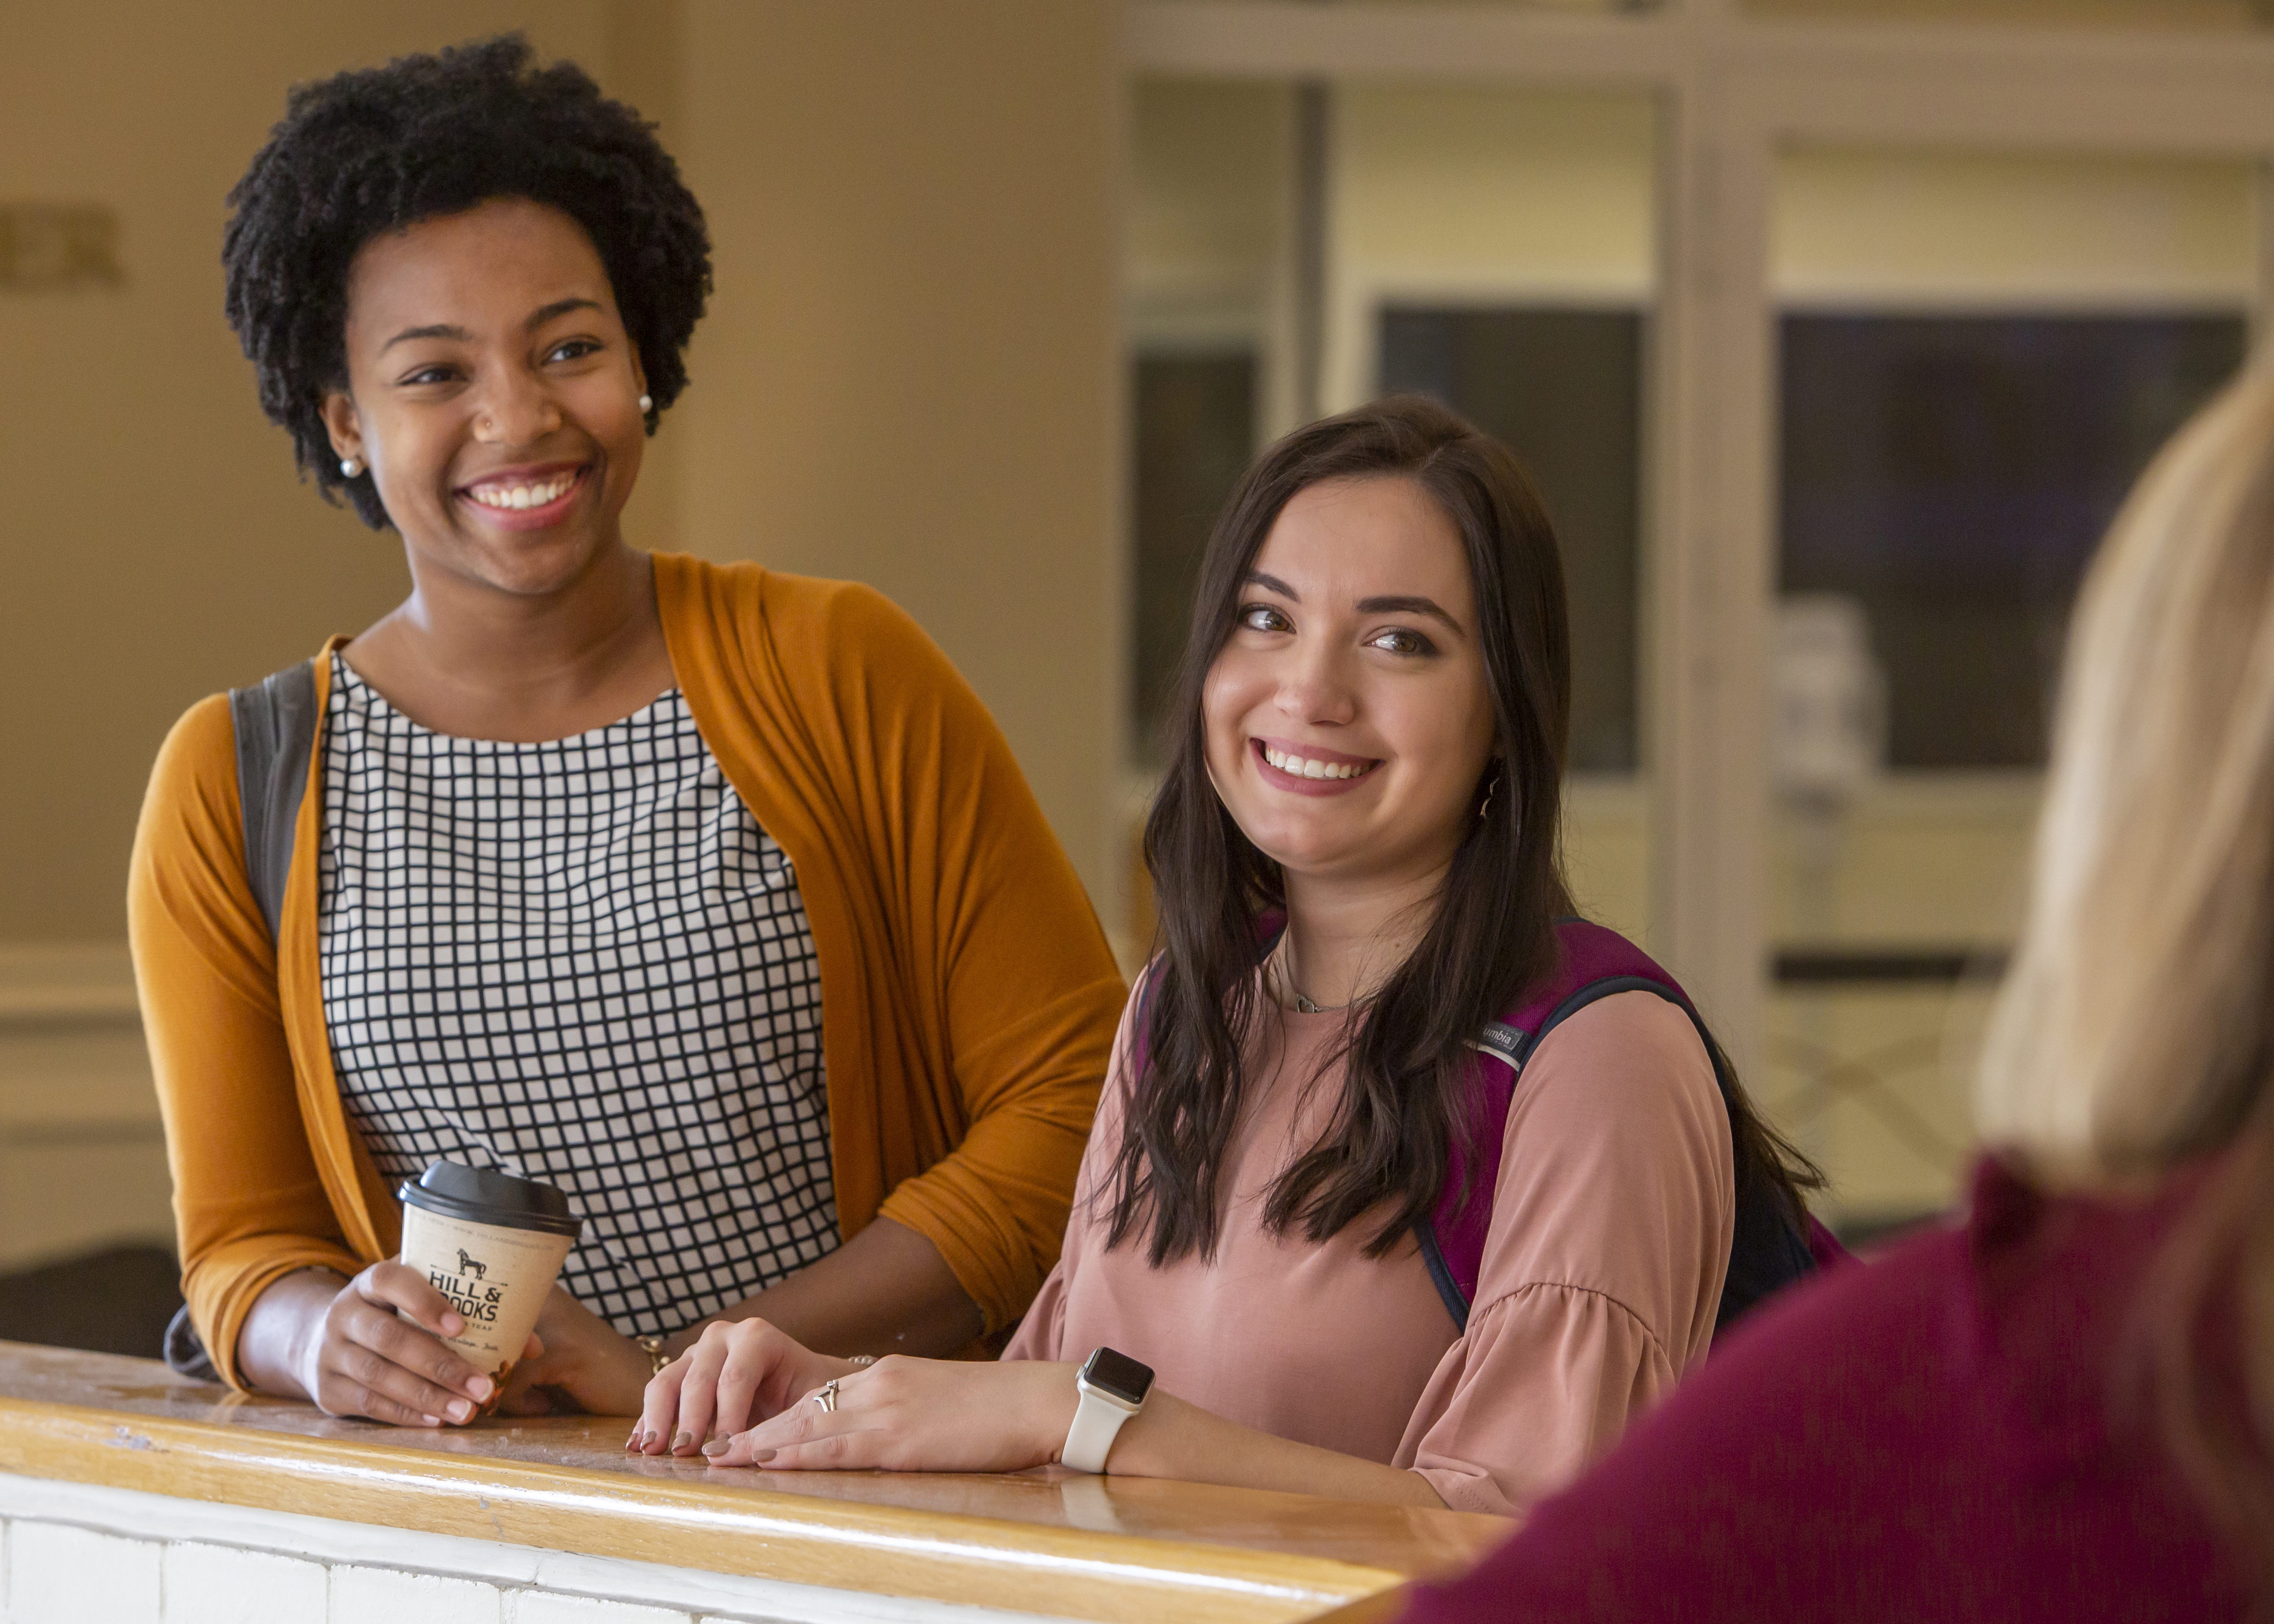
1388 1147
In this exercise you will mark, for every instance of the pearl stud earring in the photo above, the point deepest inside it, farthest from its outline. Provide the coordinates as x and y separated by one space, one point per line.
647 404
351 467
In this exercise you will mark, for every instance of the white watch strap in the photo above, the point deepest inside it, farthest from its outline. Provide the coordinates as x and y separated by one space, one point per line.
1098 1421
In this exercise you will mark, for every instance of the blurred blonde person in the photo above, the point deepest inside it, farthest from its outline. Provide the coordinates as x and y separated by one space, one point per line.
2061 1409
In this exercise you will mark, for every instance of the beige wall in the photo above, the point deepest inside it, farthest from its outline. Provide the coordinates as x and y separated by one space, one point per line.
908 376
154 544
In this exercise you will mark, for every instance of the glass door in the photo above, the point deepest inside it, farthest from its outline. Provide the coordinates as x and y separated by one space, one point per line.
1977 353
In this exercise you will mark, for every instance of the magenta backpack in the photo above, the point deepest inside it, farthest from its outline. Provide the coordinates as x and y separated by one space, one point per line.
1771 1246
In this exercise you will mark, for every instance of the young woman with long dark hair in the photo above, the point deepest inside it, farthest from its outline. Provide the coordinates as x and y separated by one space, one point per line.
1355 851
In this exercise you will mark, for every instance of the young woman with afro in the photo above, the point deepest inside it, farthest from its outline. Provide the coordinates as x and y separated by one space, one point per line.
711 895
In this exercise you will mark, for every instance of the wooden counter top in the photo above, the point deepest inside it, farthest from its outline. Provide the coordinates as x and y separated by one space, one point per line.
1045 1542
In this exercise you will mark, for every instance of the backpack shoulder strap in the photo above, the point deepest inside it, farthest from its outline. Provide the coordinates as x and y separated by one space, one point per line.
1768 1250
275 723
1593 962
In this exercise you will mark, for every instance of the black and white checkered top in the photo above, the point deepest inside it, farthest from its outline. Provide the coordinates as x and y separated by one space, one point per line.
580 961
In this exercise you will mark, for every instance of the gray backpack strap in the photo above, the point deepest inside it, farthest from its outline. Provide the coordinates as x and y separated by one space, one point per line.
275 735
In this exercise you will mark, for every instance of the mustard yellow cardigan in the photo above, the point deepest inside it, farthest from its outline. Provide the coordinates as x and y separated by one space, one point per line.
968 997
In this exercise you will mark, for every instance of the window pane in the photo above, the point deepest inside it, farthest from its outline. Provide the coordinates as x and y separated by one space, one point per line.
1196 429
1953 474
1563 388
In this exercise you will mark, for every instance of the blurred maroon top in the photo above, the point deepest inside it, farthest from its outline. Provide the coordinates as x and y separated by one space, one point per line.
1929 1436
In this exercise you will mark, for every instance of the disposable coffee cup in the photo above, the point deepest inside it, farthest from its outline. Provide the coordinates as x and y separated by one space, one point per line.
492 1244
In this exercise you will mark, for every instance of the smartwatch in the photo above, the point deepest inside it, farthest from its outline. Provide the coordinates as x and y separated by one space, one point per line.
1113 1387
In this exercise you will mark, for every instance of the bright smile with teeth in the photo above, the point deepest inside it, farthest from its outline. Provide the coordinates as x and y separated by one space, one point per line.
1303 767
518 496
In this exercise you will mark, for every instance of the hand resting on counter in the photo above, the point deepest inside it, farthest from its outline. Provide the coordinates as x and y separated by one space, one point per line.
744 1396
743 1392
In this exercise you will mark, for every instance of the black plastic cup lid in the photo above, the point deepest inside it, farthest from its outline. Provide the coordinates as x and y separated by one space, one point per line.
478 1195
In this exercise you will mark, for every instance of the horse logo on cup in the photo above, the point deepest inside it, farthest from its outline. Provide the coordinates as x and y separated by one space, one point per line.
468 1290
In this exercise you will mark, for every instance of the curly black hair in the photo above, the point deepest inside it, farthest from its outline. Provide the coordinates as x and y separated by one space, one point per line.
372 151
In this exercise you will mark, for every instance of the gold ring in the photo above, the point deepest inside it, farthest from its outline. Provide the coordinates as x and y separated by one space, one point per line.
825 1395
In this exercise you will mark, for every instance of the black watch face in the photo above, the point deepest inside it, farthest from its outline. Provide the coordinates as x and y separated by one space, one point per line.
1118 1374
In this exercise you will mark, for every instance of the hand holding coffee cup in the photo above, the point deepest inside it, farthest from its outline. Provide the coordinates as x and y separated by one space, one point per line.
491 1245
373 1347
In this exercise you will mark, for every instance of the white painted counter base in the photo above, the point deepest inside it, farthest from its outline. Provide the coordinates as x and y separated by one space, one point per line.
84 1554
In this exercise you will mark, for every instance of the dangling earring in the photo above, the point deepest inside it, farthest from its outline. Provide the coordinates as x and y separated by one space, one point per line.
350 468
647 404
1491 783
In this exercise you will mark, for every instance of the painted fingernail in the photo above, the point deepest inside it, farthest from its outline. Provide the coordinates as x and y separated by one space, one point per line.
460 1410
431 1420
759 1457
717 1446
481 1386
680 1441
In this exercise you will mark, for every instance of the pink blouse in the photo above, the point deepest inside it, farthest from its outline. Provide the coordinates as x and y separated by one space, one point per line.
1602 1269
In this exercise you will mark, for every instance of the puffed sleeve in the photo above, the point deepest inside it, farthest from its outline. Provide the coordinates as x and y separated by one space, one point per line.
1602 1269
